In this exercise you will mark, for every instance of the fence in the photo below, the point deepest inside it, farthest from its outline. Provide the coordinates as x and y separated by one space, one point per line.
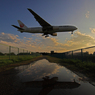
84 54
10 52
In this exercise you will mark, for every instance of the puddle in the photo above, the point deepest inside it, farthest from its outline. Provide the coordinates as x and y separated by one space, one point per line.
45 78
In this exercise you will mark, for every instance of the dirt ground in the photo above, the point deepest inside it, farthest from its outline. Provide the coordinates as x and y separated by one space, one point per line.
9 84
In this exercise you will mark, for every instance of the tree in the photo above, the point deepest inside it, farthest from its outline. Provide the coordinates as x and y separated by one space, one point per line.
1 53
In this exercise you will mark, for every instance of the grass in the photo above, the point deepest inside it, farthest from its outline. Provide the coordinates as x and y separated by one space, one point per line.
85 66
52 59
14 56
6 64
4 60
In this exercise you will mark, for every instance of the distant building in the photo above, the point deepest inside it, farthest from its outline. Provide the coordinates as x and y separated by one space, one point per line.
52 52
93 53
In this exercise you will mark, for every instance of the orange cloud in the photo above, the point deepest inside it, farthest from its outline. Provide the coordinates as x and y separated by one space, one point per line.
79 40
2 33
92 30
42 44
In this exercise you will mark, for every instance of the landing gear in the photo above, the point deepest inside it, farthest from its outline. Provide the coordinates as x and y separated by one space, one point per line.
21 32
46 36
42 34
72 32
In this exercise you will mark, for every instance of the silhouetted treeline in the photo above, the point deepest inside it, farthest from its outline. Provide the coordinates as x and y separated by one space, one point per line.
1 53
12 53
23 54
7 53
36 53
45 53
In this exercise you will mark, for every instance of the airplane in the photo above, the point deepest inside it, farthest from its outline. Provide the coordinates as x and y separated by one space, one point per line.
46 28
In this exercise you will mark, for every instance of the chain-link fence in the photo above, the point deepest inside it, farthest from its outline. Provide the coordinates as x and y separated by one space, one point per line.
10 52
84 54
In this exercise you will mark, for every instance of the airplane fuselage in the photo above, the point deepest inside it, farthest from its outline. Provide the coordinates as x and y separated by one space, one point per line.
52 30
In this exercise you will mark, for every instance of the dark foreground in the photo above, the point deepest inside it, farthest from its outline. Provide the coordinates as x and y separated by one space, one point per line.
10 84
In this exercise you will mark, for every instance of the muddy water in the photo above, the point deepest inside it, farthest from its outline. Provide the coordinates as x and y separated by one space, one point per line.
45 78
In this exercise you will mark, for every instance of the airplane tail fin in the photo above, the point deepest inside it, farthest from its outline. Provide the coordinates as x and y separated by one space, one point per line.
22 25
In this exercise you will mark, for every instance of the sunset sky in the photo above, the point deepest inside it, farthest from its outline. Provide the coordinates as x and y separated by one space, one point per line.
80 13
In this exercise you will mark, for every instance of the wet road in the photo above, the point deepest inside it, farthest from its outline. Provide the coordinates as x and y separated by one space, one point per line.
45 78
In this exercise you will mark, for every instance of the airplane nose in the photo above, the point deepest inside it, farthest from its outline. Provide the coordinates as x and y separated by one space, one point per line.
75 28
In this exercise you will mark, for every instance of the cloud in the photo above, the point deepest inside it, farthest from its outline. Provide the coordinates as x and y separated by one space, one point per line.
80 40
41 44
24 37
87 14
92 30
9 37
2 33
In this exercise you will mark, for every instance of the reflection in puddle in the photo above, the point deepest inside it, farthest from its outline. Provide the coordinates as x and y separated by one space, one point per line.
43 68
31 75
49 84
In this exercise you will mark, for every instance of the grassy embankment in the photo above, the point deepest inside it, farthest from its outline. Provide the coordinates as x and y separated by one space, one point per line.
87 68
6 63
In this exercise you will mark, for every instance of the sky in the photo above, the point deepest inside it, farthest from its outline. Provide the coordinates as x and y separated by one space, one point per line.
80 13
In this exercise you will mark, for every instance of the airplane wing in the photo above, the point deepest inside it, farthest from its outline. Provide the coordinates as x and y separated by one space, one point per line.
41 21
56 84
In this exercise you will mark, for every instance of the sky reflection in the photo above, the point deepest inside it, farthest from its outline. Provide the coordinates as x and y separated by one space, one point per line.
43 68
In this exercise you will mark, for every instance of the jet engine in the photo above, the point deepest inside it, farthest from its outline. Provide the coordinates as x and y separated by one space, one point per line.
54 34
